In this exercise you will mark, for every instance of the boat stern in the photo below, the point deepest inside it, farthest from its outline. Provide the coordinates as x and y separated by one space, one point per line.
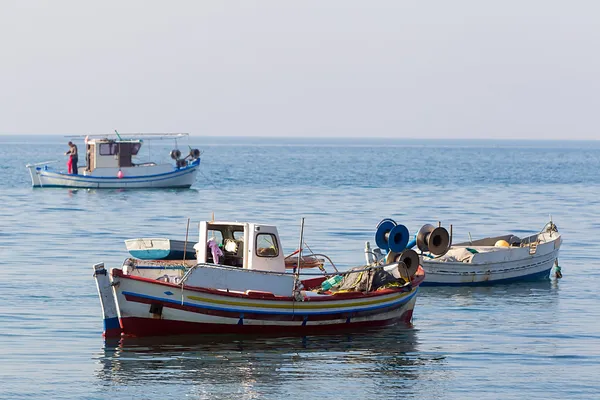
112 327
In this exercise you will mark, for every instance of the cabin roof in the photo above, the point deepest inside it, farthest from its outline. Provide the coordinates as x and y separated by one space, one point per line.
130 136
236 223
108 140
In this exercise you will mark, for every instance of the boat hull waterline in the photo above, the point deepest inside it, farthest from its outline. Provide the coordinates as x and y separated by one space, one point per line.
178 178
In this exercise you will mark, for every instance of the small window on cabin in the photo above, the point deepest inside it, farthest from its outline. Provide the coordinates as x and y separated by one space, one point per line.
266 245
216 235
108 149
238 235
135 147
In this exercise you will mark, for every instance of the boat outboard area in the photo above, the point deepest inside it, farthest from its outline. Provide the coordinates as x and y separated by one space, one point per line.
240 282
111 161
498 259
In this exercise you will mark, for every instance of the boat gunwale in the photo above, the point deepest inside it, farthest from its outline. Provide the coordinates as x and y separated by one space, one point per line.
437 263
440 264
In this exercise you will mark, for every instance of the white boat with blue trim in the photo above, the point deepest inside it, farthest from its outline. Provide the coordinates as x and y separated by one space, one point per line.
238 284
498 259
111 164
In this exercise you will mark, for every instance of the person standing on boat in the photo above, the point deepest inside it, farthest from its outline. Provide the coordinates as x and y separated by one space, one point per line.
73 158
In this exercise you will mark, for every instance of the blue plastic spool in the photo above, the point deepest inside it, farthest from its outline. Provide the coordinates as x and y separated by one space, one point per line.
383 230
398 238
386 220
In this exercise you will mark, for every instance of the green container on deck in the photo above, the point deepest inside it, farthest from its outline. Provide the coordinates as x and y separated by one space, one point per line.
329 283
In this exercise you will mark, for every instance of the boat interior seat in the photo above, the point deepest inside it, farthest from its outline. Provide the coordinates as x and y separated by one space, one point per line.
233 251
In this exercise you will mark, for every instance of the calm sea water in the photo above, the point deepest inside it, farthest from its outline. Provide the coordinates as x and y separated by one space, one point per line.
537 340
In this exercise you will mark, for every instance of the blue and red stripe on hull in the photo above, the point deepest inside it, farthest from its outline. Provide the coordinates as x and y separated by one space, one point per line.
141 326
297 315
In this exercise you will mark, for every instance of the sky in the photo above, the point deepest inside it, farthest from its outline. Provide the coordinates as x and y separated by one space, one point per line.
326 68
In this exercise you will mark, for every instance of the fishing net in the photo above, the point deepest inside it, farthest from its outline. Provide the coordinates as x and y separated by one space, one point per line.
365 280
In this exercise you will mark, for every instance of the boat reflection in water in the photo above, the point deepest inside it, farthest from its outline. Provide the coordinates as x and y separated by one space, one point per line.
545 291
378 360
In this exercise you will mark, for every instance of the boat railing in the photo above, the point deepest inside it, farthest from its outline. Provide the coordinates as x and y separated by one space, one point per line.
41 163
342 273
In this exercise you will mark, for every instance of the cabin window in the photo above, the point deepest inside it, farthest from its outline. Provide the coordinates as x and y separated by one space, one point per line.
218 235
135 147
238 235
108 149
266 245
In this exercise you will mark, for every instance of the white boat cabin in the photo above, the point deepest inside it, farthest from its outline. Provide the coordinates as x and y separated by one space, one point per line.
245 245
109 153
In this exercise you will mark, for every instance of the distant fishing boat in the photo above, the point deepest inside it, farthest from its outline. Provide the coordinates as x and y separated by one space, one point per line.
238 284
110 164
498 259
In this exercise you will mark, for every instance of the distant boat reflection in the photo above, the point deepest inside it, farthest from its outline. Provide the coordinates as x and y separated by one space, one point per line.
548 288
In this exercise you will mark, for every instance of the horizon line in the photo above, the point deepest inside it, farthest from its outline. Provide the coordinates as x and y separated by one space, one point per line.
318 137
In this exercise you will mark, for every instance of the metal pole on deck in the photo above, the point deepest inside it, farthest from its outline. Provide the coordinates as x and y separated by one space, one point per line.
297 268
187 230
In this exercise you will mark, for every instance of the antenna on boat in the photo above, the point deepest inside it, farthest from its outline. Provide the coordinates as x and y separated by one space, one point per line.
297 267
117 133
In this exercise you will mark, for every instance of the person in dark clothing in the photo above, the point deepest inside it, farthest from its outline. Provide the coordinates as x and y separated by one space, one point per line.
74 156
